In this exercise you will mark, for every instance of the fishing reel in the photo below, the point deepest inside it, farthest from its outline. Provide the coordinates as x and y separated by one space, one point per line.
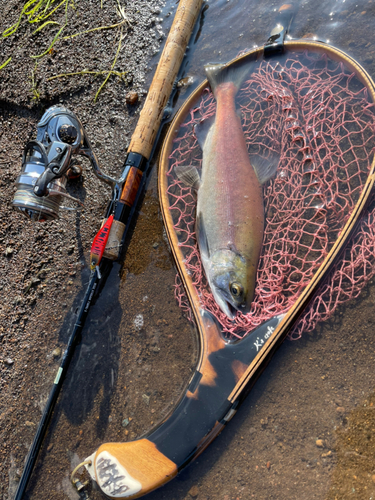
48 162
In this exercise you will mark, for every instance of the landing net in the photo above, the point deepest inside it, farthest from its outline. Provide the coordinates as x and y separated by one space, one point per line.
317 117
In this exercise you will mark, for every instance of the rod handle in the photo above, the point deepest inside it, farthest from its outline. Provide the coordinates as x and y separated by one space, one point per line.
145 133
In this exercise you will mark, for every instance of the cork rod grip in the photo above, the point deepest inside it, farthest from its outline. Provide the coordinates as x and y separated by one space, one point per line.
151 115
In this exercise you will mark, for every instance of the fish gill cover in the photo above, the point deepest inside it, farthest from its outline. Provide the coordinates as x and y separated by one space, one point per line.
317 117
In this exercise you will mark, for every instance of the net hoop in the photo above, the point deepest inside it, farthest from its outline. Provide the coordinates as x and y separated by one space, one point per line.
296 310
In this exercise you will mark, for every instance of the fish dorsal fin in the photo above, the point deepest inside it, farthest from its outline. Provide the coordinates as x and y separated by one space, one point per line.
222 73
202 128
265 168
201 236
189 175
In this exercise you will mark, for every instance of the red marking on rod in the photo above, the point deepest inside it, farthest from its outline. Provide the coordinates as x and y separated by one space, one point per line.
99 243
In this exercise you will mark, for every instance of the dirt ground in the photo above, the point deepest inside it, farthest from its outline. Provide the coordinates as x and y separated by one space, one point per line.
307 429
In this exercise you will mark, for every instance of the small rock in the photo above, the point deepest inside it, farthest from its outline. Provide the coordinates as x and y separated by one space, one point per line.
268 465
138 322
319 443
17 300
56 353
184 82
29 424
49 447
9 362
340 409
155 245
146 399
131 98
373 478
326 455
194 491
9 251
125 422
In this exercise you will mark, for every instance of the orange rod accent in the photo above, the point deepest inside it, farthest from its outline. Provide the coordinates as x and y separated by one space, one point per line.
129 191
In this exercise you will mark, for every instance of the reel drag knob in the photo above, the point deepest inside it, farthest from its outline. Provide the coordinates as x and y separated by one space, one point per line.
68 133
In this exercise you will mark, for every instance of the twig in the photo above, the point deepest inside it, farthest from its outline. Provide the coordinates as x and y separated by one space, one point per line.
111 70
122 13
34 87
120 74
94 29
5 63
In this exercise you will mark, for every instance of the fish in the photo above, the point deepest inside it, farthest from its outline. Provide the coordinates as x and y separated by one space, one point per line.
230 206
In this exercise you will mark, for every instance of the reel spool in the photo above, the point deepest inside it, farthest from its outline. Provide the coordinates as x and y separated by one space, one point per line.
47 163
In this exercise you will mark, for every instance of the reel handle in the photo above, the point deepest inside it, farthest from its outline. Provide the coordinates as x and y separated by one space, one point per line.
55 169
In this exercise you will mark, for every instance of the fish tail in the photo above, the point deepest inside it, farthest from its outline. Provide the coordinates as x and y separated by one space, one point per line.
223 73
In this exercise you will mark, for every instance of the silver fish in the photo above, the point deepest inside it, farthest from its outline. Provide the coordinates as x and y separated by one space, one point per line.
230 206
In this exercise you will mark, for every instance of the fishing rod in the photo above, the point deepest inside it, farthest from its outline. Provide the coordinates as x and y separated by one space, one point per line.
48 163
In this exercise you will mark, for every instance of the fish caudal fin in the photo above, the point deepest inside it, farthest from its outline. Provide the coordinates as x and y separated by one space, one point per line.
265 168
222 73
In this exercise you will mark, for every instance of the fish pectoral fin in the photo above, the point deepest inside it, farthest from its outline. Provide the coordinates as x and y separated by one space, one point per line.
265 168
202 128
202 237
240 114
189 175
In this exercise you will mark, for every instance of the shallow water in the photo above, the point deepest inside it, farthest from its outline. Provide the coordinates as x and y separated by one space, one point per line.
314 388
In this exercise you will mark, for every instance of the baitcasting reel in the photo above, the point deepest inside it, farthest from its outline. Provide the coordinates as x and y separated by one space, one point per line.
47 164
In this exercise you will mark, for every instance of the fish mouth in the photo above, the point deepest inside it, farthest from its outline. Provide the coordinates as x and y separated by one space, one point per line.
222 299
223 303
231 310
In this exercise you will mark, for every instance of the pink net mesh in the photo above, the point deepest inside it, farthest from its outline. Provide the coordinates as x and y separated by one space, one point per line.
317 117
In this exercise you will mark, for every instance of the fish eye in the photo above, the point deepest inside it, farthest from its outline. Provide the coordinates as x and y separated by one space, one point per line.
235 289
